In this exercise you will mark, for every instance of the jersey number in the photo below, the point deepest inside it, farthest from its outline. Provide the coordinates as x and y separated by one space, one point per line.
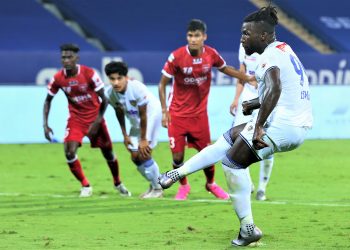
172 142
298 67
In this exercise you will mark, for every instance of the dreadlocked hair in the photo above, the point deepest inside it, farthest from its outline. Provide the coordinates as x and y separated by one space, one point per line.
265 14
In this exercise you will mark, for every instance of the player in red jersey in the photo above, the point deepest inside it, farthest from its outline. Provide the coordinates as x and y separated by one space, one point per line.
187 117
83 88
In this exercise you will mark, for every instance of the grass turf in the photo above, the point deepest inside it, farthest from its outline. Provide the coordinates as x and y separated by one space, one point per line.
308 203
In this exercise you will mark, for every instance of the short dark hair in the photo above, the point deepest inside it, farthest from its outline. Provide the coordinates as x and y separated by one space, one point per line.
70 47
196 24
266 15
116 67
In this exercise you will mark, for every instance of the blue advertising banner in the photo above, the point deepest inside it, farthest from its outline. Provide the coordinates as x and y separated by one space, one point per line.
37 68
21 109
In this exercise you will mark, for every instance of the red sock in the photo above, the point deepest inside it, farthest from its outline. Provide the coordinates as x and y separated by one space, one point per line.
183 181
77 171
114 167
209 173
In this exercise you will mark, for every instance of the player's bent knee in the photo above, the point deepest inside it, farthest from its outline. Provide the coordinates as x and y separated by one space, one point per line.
70 154
228 162
242 154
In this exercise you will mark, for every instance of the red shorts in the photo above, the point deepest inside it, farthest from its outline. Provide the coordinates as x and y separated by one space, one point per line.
193 130
75 131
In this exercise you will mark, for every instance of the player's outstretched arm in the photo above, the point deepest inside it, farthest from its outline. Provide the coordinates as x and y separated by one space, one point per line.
162 97
231 71
47 106
271 96
239 90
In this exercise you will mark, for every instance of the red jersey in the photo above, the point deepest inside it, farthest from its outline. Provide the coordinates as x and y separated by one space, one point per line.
191 80
83 101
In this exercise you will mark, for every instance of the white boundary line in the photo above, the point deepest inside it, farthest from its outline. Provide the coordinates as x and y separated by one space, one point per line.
285 202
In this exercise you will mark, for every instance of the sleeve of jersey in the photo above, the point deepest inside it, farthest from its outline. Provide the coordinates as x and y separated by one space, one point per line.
98 84
267 62
241 54
141 95
169 67
219 62
109 96
52 88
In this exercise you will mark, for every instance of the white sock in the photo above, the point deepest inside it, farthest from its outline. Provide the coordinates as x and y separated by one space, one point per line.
151 172
251 181
206 157
265 173
239 188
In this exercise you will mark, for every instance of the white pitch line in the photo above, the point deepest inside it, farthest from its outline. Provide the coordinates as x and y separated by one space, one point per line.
285 202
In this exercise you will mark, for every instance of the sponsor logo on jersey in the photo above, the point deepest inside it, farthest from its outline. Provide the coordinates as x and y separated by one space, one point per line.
187 70
195 81
197 60
81 98
133 103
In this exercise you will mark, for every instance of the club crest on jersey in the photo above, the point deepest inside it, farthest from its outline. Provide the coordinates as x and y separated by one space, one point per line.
133 103
197 60
83 87
67 89
187 70
72 83
206 68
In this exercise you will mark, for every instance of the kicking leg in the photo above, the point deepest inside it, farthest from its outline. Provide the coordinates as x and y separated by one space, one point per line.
207 157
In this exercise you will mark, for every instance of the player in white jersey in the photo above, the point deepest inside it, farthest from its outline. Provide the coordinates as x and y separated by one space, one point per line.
281 124
246 92
132 99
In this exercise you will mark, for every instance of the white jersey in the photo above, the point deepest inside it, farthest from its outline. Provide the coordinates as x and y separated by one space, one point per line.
136 95
250 62
294 106
249 92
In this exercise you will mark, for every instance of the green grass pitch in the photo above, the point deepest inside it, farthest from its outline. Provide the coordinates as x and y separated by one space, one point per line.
308 206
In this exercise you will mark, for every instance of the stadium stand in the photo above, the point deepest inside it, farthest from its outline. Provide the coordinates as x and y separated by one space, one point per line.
330 21
155 25
27 26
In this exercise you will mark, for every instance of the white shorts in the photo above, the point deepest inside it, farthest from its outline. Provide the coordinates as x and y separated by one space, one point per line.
279 137
154 123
